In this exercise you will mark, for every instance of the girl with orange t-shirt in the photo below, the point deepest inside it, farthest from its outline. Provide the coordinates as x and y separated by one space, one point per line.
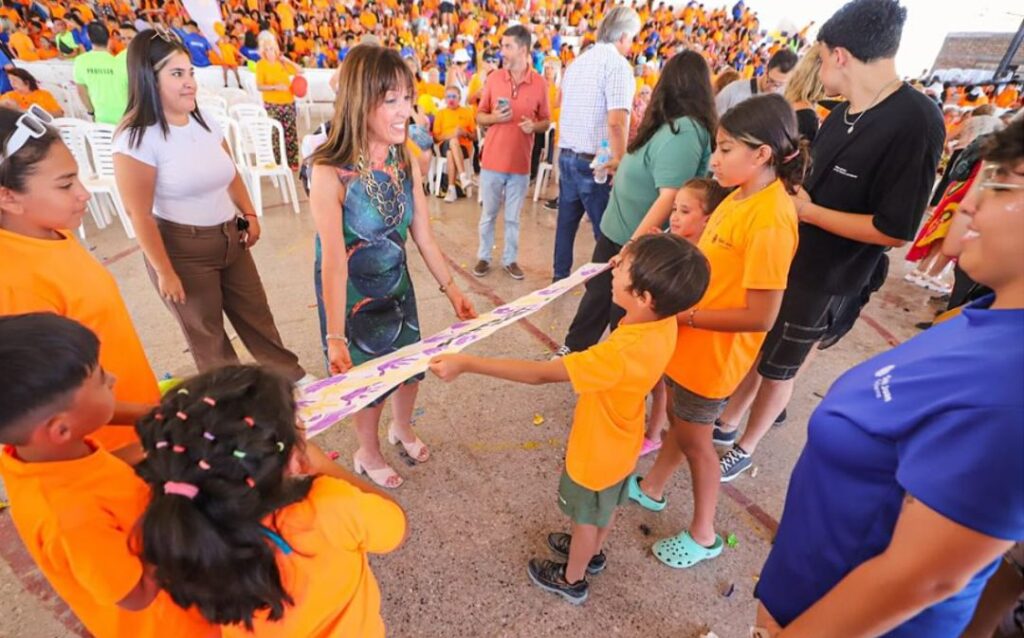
749 241
46 269
241 527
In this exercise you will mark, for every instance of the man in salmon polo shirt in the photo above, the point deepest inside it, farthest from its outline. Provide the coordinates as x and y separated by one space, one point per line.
513 106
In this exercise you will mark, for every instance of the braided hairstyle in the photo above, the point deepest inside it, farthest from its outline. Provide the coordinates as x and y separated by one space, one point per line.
224 438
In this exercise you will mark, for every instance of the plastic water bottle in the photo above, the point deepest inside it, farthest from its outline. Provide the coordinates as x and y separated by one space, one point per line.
603 157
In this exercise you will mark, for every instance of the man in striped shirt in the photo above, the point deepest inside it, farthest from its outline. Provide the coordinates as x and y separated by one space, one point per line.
597 95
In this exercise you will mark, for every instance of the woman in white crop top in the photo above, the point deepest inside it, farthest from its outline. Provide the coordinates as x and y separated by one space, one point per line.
184 194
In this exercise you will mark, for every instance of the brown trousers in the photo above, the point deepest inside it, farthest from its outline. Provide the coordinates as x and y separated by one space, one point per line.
220 278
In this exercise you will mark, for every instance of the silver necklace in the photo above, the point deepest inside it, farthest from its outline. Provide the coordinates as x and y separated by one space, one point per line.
387 197
870 106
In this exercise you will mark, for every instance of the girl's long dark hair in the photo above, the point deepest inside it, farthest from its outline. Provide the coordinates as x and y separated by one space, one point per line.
769 120
147 54
230 433
684 90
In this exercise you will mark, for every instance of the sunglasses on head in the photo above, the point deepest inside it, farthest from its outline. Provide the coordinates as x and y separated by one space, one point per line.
31 125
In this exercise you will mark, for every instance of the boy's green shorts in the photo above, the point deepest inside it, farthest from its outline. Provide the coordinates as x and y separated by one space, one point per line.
587 507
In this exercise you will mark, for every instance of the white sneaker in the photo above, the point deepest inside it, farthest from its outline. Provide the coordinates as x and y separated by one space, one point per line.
306 380
935 284
466 179
914 277
451 196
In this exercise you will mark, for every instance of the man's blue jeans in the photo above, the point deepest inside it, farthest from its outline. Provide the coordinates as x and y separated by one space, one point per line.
497 189
578 193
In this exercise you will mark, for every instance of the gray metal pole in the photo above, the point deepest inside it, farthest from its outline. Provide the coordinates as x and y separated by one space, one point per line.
1011 51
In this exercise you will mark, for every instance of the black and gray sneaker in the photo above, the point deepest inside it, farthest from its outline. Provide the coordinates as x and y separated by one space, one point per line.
779 420
722 437
551 204
735 462
550 576
561 352
559 543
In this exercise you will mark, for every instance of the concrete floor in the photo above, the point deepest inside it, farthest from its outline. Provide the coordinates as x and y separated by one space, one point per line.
484 503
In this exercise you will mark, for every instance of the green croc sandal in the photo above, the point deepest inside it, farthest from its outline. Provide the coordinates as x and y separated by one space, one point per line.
682 551
637 494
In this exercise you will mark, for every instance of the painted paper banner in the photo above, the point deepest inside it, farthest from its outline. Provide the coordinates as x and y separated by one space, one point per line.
328 401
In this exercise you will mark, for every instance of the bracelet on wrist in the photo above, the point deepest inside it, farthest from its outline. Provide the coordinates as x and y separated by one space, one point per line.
447 285
334 337
689 318
249 215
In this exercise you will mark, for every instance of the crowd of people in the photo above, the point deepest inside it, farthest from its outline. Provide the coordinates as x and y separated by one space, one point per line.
745 188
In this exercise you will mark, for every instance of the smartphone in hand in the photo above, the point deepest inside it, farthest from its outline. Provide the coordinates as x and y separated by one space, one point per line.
504 105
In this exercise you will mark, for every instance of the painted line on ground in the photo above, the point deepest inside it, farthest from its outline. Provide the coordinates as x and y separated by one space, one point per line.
121 255
741 499
479 288
877 326
13 552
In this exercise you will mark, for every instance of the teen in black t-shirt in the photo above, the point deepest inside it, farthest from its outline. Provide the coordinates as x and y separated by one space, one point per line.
884 168
874 163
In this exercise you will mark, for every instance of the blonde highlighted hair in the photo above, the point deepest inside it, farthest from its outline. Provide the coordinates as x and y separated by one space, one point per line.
366 76
805 84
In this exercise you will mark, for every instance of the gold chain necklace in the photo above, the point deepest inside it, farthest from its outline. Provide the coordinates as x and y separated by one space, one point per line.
387 197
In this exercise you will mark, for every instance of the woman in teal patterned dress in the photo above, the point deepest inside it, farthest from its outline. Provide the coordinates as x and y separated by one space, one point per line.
365 204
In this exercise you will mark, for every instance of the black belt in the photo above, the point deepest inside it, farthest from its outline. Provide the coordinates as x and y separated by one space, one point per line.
584 156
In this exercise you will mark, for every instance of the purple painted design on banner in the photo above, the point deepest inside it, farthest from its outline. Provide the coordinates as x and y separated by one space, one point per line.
466 339
445 334
587 272
413 359
359 393
436 350
316 386
395 364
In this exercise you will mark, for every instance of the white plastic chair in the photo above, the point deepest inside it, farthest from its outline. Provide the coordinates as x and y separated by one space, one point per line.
247 111
440 163
232 135
101 145
235 96
545 168
263 135
304 107
72 132
212 104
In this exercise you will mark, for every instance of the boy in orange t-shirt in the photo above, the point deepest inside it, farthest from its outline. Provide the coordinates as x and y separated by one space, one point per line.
655 278
74 504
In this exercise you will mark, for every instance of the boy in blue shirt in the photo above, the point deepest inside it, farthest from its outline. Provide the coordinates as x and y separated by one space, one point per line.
198 46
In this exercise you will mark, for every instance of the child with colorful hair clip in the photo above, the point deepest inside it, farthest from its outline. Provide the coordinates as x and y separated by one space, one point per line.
235 526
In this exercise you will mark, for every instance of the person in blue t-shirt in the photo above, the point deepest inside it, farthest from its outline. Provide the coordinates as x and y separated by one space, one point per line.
250 47
911 485
5 65
198 46
79 32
